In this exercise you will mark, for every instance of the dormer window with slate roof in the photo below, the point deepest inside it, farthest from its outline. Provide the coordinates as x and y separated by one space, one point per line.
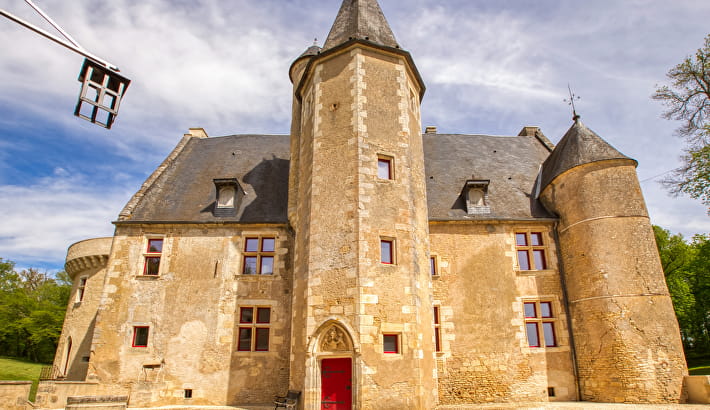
227 190
476 192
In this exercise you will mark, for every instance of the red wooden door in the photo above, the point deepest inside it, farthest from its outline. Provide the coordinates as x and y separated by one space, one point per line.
336 384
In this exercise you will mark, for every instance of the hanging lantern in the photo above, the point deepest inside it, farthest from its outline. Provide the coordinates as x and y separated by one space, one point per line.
101 92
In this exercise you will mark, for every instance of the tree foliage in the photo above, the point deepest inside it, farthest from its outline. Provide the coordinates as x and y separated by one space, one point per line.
686 266
32 308
687 99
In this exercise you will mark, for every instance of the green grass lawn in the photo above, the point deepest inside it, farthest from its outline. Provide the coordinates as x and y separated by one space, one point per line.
699 366
18 369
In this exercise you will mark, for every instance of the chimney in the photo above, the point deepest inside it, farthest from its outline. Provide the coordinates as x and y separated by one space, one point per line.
430 130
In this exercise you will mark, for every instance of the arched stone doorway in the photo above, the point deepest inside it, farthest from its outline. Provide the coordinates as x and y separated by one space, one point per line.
331 382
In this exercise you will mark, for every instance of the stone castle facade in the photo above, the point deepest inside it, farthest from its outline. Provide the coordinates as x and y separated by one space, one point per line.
367 265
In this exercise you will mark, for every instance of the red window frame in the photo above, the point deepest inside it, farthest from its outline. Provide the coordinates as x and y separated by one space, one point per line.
392 339
387 255
386 162
254 329
152 254
539 326
135 336
259 254
531 250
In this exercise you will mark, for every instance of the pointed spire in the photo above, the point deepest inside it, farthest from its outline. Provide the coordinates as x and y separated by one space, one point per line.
360 19
579 146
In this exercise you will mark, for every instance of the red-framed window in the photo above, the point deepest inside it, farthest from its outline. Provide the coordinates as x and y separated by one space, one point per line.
437 328
531 250
140 336
387 251
152 255
390 343
259 256
540 324
254 327
384 167
433 267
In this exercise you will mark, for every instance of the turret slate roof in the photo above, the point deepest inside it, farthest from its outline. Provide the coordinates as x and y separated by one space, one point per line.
360 19
579 146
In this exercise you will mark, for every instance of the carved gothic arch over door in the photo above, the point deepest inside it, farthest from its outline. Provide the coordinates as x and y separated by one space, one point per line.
333 342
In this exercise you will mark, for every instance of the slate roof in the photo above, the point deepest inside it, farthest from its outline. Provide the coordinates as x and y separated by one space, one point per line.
360 19
185 192
510 163
579 146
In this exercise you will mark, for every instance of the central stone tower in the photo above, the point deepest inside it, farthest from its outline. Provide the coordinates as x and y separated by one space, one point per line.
362 312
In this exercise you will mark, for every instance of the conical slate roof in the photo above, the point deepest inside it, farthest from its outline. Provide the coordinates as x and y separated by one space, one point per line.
360 19
579 146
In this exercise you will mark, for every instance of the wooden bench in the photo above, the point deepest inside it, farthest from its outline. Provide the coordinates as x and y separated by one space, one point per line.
289 401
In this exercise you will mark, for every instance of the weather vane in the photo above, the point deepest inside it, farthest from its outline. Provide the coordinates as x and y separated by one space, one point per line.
572 97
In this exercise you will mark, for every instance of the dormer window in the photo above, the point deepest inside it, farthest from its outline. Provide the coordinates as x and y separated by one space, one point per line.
476 193
227 191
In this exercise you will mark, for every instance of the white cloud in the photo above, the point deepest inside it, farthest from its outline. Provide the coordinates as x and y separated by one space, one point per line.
490 68
42 219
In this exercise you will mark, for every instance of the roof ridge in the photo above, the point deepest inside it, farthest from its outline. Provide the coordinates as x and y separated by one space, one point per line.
148 184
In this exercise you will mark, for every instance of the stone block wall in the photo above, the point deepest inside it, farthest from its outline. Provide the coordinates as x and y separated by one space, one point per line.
480 292
14 395
191 309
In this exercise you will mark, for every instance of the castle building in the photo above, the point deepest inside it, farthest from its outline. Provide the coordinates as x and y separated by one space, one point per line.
367 265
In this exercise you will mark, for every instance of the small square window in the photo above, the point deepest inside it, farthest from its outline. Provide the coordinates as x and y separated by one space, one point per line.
140 336
387 251
551 392
246 315
390 343
263 315
188 393
155 245
530 310
384 167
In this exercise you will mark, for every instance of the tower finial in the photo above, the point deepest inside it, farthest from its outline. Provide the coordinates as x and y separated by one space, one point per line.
315 41
572 97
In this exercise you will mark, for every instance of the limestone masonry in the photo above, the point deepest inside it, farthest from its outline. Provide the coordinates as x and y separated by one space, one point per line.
366 265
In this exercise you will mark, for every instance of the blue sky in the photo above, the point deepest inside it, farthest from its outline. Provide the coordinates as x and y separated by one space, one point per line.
491 67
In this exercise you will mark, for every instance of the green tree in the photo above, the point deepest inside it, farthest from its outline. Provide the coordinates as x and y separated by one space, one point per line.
687 270
687 99
32 305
